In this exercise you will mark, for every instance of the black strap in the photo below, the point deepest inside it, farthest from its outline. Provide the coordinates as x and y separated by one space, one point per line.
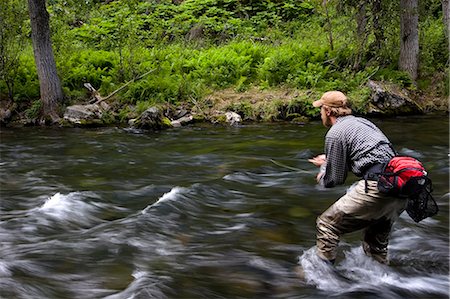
372 173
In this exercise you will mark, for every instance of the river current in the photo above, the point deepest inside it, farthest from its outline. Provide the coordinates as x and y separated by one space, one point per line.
202 212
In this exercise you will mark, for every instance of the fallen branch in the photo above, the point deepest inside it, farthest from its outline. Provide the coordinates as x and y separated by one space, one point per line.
98 98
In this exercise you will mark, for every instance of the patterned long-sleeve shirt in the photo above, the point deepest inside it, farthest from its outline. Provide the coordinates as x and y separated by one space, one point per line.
353 144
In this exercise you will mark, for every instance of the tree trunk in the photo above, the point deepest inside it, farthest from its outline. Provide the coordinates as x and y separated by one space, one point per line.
361 32
330 28
49 83
409 37
377 28
446 16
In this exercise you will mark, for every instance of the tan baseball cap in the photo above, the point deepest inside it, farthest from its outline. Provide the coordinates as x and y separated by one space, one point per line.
332 99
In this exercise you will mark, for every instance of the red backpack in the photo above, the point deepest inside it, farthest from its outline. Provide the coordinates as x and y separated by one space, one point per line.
406 177
397 173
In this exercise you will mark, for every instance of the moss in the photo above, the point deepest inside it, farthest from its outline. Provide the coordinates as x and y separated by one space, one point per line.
220 118
198 118
166 123
108 118
300 119
65 123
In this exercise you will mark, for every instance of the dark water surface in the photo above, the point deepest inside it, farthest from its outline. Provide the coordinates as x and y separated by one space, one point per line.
201 212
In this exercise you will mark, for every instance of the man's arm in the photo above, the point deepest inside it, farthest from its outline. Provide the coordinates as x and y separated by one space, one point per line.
337 164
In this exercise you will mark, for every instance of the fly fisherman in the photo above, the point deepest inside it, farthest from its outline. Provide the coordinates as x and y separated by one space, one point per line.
357 145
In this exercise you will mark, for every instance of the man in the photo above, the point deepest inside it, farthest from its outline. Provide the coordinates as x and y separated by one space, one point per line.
357 145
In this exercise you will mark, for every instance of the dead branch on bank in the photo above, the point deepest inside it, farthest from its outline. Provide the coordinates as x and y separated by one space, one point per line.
97 98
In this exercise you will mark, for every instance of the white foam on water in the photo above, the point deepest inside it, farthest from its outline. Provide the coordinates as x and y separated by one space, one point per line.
69 208
317 272
357 272
144 285
365 270
239 177
138 274
63 206
169 196
230 229
4 270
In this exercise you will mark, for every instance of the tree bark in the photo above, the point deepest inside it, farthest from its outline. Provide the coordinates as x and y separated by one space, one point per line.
446 16
377 28
361 31
49 83
409 38
330 28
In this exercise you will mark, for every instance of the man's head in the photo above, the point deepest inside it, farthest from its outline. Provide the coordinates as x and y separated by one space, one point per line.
333 104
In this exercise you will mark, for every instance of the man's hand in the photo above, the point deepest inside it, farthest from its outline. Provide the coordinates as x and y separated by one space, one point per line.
318 160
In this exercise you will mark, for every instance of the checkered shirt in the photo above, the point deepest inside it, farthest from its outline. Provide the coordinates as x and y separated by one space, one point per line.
355 144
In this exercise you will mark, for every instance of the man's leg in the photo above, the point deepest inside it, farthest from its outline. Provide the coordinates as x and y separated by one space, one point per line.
330 226
354 211
376 239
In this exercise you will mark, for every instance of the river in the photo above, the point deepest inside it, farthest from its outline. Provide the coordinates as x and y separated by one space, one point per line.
201 212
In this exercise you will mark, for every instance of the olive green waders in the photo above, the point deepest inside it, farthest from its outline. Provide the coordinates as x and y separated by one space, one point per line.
372 211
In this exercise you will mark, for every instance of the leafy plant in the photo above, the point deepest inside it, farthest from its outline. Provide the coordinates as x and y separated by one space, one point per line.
34 111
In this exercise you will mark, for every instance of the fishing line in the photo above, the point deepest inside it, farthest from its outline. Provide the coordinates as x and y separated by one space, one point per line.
289 167
276 163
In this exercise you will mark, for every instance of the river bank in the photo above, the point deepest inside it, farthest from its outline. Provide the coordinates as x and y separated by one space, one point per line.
377 99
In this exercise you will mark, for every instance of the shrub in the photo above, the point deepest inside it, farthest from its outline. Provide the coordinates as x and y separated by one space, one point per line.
26 83
90 66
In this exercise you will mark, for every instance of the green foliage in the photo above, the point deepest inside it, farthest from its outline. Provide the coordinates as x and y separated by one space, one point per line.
198 46
302 105
141 106
244 109
12 44
108 118
434 51
95 67
26 84
34 111
160 88
221 67
394 76
359 99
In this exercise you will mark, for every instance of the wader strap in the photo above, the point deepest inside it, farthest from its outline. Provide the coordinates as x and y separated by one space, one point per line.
372 174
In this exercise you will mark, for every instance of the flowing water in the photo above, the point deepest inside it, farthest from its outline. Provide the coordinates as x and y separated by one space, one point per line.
201 212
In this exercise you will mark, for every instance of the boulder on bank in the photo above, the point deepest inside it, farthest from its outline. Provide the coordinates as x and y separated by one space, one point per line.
387 100
151 119
5 115
90 114
233 118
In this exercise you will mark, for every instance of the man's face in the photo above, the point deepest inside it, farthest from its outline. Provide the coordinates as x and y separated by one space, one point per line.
324 115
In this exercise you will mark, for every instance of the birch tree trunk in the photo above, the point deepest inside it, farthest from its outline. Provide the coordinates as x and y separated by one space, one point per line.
49 83
409 38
